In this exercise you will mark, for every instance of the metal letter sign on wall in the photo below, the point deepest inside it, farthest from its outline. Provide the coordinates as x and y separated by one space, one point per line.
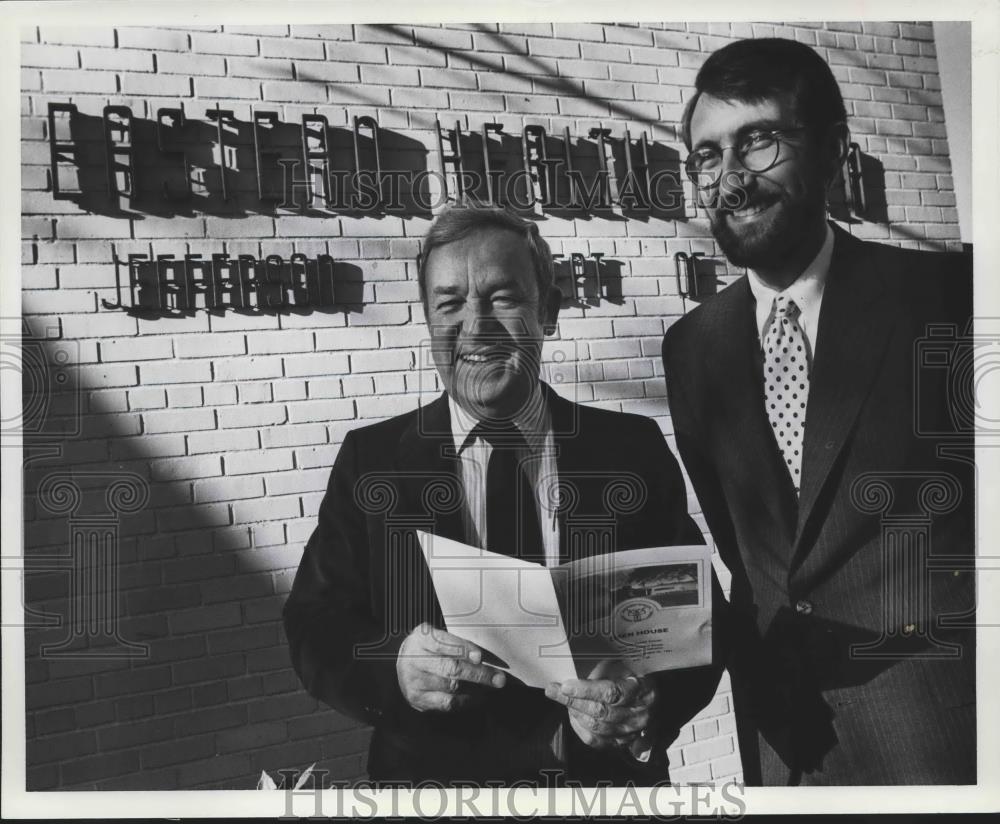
273 169
549 172
175 165
169 124
169 286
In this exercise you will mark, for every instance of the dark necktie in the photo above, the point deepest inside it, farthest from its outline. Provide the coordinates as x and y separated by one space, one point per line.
512 525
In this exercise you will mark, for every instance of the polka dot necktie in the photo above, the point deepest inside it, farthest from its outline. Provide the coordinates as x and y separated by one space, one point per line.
786 383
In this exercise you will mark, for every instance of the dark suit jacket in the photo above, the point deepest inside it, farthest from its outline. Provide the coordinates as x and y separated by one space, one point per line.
363 585
847 670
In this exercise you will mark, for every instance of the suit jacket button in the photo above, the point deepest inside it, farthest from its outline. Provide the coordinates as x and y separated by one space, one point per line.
803 607
830 444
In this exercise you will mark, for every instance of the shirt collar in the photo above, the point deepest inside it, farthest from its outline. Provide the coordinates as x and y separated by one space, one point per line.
806 291
532 421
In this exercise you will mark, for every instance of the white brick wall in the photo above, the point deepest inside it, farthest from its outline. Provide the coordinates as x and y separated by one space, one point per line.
235 419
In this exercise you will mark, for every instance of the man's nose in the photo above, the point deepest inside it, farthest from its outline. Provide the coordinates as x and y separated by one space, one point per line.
480 316
482 327
734 181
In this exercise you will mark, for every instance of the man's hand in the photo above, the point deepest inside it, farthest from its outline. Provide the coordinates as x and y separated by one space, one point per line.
607 712
437 670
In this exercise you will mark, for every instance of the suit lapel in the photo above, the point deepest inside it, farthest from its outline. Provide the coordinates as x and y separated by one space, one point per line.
426 454
856 320
571 457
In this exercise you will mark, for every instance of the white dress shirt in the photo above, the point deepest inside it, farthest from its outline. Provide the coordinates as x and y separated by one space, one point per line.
806 291
539 464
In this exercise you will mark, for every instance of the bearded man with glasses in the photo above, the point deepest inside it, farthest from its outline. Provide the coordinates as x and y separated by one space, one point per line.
817 402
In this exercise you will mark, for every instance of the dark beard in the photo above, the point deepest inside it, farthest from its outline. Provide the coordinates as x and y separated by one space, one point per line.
770 244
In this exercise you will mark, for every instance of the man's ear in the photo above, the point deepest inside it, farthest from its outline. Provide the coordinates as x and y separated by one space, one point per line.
551 310
834 148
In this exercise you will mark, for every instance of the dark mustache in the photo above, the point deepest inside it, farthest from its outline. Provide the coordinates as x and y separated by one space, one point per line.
742 200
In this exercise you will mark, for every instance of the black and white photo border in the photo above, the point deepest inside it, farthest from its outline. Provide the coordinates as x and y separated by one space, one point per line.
668 801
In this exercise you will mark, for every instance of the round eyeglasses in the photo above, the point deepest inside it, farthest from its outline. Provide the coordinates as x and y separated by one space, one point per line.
757 152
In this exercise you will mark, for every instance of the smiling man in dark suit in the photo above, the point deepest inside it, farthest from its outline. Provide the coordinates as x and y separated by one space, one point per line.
364 627
823 445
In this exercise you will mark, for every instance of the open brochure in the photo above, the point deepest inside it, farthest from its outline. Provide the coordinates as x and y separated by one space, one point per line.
645 609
